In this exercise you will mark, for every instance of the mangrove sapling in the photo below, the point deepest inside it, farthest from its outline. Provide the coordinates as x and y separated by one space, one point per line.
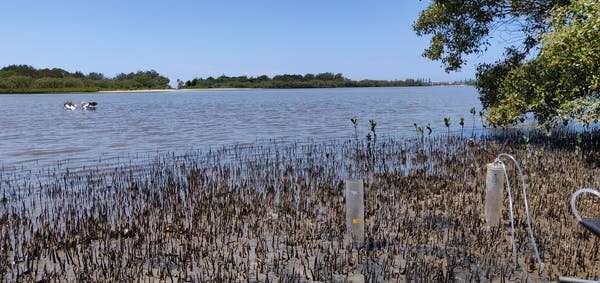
447 123
420 132
372 126
473 112
369 147
461 122
354 121
481 114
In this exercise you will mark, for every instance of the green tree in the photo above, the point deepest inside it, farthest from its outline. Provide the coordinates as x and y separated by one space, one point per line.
25 78
95 76
550 68
294 81
46 83
19 82
563 81
462 27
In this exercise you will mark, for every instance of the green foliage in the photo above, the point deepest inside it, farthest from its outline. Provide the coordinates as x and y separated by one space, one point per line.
142 79
447 122
551 69
462 27
48 83
24 78
322 80
563 81
16 82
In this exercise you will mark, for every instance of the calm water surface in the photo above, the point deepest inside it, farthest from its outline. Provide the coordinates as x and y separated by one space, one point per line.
34 129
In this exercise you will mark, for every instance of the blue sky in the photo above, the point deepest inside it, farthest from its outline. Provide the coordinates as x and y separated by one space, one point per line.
185 39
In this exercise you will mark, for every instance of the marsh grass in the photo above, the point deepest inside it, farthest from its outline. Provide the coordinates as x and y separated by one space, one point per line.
275 212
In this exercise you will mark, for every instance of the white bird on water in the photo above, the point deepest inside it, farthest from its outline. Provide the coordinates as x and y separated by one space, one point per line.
70 106
89 105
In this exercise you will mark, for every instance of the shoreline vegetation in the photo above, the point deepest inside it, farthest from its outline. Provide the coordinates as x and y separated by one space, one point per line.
25 79
158 90
291 81
16 79
85 90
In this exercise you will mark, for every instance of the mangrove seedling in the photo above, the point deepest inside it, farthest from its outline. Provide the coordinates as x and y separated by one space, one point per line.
373 124
447 122
420 131
354 121
481 117
429 129
473 112
461 122
369 139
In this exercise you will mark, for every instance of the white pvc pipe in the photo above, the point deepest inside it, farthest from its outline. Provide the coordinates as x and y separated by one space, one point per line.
496 174
494 184
355 210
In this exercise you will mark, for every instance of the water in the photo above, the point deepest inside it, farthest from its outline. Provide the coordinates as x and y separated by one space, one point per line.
35 130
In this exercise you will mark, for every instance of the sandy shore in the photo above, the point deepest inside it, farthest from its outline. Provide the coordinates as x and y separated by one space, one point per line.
138 90
218 89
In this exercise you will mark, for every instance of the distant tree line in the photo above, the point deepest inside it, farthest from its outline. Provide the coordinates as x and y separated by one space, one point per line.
322 80
25 78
